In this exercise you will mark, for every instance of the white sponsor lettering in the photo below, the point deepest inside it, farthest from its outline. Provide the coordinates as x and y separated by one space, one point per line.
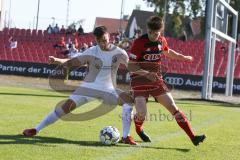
218 85
52 71
77 74
12 68
236 87
152 57
34 70
190 82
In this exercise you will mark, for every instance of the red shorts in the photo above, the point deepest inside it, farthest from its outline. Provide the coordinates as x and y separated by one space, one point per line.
146 89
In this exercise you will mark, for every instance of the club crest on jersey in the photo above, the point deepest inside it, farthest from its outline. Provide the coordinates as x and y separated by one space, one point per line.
151 57
160 47
114 60
97 66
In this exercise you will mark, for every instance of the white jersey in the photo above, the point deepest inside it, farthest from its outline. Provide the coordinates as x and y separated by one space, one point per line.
103 66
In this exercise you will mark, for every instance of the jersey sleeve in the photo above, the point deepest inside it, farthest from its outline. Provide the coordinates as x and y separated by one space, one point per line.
135 52
85 56
87 52
124 57
164 44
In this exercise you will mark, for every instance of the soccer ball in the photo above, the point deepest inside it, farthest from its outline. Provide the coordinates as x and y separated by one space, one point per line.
109 135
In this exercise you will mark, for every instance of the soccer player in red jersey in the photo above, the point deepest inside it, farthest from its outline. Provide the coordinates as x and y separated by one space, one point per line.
146 78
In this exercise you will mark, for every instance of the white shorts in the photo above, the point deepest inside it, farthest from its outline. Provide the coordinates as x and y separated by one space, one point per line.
83 95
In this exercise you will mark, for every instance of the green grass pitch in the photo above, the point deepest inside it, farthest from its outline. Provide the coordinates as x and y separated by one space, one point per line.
22 108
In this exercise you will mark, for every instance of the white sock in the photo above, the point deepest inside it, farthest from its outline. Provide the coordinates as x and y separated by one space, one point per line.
126 119
50 119
57 113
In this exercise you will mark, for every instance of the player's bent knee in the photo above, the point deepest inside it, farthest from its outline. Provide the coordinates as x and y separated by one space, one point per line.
140 98
173 109
110 99
141 115
138 117
125 98
68 106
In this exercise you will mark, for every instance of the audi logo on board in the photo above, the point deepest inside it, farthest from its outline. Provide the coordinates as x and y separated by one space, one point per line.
175 81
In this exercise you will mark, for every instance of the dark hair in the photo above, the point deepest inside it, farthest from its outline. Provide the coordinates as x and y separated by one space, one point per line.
155 23
99 31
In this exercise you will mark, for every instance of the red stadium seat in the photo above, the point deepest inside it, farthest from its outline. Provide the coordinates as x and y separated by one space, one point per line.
6 31
9 57
28 33
37 45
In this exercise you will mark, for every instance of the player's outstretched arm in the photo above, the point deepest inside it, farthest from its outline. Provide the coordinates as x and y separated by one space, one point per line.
175 55
74 62
54 60
78 61
135 68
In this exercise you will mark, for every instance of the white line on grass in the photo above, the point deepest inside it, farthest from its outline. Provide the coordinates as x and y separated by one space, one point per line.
121 153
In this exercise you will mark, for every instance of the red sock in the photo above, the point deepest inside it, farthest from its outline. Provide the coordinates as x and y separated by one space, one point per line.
184 123
138 124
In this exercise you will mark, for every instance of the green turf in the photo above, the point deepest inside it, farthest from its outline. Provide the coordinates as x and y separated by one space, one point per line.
22 108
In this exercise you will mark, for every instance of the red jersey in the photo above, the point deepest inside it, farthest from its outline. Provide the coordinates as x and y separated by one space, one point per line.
147 54
145 51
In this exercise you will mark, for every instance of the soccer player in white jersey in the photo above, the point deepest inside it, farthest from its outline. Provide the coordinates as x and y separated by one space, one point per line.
103 61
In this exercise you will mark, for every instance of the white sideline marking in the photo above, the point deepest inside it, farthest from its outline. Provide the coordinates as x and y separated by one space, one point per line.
126 151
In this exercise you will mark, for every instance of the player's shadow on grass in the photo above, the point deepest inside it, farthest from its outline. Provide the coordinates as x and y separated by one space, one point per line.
32 95
47 141
39 140
164 148
218 103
